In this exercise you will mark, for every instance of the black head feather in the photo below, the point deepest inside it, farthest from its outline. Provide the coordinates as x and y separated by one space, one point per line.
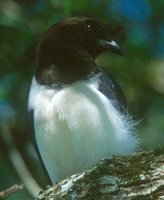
67 50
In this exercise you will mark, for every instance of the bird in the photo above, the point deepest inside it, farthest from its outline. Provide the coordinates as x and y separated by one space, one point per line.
77 112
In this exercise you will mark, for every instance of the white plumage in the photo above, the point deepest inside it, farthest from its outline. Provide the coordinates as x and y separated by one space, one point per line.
76 126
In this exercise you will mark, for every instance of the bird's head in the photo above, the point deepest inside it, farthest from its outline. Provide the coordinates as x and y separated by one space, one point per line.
73 42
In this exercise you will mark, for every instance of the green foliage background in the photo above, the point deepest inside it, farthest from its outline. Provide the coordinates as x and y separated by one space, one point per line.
140 72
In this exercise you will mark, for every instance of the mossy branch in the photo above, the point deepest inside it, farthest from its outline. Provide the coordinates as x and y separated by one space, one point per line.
133 177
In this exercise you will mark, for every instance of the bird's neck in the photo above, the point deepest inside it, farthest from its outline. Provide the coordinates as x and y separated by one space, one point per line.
63 65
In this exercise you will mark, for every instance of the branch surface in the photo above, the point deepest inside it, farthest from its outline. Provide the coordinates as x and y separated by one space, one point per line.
139 176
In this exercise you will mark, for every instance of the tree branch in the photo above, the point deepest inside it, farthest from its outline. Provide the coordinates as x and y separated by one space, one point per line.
133 177
17 161
10 191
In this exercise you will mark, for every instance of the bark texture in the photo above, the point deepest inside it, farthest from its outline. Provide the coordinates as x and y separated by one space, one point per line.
133 177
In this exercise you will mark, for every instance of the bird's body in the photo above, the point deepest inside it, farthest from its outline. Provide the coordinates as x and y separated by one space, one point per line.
77 123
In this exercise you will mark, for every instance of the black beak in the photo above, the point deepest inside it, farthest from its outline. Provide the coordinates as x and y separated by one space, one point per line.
111 46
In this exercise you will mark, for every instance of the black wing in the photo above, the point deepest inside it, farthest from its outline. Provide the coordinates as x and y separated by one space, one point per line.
30 119
111 89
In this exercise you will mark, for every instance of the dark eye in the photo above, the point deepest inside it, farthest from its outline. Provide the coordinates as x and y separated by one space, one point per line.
89 27
93 29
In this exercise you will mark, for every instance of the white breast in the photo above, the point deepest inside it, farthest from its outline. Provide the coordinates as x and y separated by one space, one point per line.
77 126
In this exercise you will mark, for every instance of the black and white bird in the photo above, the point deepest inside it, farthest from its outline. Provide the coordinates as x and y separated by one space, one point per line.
77 112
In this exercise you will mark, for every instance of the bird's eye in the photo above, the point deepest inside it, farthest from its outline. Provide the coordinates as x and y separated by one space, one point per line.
89 28
92 29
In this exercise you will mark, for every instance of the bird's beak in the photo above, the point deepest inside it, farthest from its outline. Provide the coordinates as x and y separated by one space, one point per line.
110 46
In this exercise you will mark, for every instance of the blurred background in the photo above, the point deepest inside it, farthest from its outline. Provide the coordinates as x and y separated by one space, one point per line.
140 73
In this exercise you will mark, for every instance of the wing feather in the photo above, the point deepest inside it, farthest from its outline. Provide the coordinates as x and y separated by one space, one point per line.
111 89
